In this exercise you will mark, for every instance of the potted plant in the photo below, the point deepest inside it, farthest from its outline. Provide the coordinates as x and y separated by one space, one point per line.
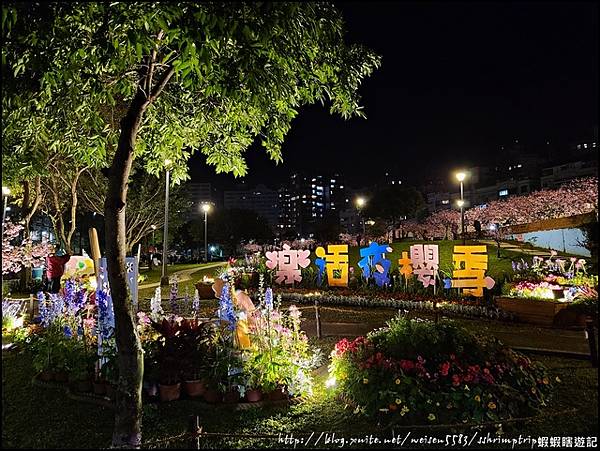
194 381
169 387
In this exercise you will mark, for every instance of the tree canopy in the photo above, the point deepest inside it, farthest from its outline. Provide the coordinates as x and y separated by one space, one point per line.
155 82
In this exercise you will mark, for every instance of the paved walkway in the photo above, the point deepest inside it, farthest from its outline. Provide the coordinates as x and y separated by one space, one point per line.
184 274
518 248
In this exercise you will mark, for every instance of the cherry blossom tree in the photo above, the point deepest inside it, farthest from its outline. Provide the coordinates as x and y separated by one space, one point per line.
24 254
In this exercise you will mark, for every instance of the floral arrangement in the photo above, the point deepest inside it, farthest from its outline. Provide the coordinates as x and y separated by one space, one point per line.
431 306
552 278
423 372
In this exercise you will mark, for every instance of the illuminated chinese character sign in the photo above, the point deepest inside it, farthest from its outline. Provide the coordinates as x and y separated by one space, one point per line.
288 263
425 260
470 264
336 264
374 264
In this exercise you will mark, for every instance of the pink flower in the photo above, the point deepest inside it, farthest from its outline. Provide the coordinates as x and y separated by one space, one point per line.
444 367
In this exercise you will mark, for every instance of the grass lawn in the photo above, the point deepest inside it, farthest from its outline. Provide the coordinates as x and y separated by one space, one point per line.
39 417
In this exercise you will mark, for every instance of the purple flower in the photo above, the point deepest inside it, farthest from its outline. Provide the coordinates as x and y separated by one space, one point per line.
269 299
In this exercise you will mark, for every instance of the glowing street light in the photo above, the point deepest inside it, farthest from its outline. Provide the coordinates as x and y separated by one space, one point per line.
460 176
360 204
164 279
205 208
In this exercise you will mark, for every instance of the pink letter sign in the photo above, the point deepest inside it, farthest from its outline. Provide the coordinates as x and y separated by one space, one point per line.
287 263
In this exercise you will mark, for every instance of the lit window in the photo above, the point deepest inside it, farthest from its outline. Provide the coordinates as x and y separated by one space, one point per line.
445 202
579 146
393 183
519 165
585 146
593 145
503 192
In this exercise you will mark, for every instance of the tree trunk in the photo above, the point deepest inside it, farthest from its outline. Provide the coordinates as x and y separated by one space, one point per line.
128 412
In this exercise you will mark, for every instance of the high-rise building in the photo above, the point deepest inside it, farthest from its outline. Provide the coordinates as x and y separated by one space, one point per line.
262 200
200 193
306 199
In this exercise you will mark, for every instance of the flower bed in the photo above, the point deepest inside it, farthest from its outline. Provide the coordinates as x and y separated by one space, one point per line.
431 306
424 372
551 292
244 354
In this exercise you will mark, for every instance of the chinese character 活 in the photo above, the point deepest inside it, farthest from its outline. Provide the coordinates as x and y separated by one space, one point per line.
336 260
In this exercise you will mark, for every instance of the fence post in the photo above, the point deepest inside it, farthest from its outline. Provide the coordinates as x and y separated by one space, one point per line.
195 430
318 319
590 334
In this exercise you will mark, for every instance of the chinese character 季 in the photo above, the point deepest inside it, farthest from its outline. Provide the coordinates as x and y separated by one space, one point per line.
470 264
373 262
288 263
405 263
336 260
425 260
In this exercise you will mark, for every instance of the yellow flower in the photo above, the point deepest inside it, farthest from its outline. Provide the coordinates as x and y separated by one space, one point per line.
558 379
397 381
404 410
431 417
365 381
477 398
398 401
491 405
533 390
545 381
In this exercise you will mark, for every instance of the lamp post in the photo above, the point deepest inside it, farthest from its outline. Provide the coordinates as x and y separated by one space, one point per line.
164 279
205 209
360 203
460 176
5 194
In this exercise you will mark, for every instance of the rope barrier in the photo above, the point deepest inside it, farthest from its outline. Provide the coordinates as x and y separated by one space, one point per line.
198 433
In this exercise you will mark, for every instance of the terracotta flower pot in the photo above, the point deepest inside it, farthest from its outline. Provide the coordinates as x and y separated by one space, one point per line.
99 387
61 376
46 375
278 394
212 396
254 395
195 388
169 392
231 397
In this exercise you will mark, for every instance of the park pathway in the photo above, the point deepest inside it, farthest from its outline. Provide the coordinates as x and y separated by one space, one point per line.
184 275
518 248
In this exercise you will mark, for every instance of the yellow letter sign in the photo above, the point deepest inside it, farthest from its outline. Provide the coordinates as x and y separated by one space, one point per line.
470 263
337 264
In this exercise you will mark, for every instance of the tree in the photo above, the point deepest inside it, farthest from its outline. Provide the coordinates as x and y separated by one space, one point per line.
145 203
211 77
394 203
231 227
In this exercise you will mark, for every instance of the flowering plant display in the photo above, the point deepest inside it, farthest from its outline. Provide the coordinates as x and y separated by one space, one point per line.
280 356
412 303
565 279
425 372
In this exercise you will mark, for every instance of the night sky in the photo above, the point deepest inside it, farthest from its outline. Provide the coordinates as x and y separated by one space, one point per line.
457 81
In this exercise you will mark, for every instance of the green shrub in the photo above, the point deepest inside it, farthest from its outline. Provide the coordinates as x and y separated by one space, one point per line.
426 372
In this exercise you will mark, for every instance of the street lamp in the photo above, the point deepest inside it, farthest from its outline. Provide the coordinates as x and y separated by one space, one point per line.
360 203
5 194
205 208
164 279
460 176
